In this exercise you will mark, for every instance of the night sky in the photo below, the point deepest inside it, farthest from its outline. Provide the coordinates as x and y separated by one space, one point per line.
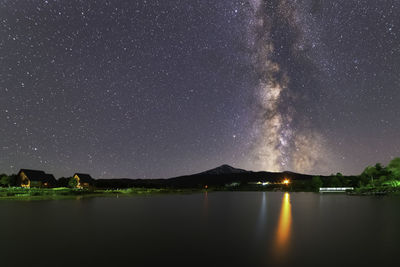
156 88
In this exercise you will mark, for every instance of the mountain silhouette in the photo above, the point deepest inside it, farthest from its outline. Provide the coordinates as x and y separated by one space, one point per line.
218 177
223 169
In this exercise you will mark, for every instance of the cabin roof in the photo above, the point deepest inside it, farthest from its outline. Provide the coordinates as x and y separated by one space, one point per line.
84 177
50 177
37 175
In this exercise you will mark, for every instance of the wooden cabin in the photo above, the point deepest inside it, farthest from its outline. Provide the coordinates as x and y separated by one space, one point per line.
83 180
35 178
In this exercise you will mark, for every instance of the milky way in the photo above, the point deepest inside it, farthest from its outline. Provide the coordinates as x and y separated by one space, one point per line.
284 138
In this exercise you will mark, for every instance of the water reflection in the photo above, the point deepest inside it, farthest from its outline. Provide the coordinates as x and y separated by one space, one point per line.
262 217
284 227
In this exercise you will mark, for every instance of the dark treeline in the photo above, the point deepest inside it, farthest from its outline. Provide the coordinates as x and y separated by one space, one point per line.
372 177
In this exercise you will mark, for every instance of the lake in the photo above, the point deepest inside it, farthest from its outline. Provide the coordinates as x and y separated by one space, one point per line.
205 229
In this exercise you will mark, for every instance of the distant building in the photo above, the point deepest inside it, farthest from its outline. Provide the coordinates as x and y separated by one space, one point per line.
259 183
35 178
335 189
83 180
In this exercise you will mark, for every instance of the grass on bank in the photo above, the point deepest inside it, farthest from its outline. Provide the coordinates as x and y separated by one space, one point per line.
391 187
65 192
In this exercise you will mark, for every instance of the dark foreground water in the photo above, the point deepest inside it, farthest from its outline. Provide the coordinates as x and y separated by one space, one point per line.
214 229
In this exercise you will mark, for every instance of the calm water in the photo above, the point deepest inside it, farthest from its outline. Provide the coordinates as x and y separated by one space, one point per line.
214 229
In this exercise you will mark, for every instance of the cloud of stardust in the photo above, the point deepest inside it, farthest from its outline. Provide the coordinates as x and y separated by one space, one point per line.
284 139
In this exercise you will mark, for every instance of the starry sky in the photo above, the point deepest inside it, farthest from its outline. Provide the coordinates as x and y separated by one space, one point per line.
155 89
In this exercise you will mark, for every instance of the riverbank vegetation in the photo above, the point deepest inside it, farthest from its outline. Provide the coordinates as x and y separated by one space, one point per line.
64 192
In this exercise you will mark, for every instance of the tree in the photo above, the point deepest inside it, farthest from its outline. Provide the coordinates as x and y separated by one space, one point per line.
379 167
335 182
382 179
394 168
316 183
370 173
8 180
5 180
343 180
73 183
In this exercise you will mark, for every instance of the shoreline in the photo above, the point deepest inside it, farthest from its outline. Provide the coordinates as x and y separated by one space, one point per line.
33 194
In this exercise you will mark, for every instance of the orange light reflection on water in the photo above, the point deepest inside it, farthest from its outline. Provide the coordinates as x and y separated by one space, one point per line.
284 227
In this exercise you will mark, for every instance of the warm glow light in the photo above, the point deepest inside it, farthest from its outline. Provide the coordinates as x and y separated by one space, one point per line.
25 182
286 181
78 184
284 227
